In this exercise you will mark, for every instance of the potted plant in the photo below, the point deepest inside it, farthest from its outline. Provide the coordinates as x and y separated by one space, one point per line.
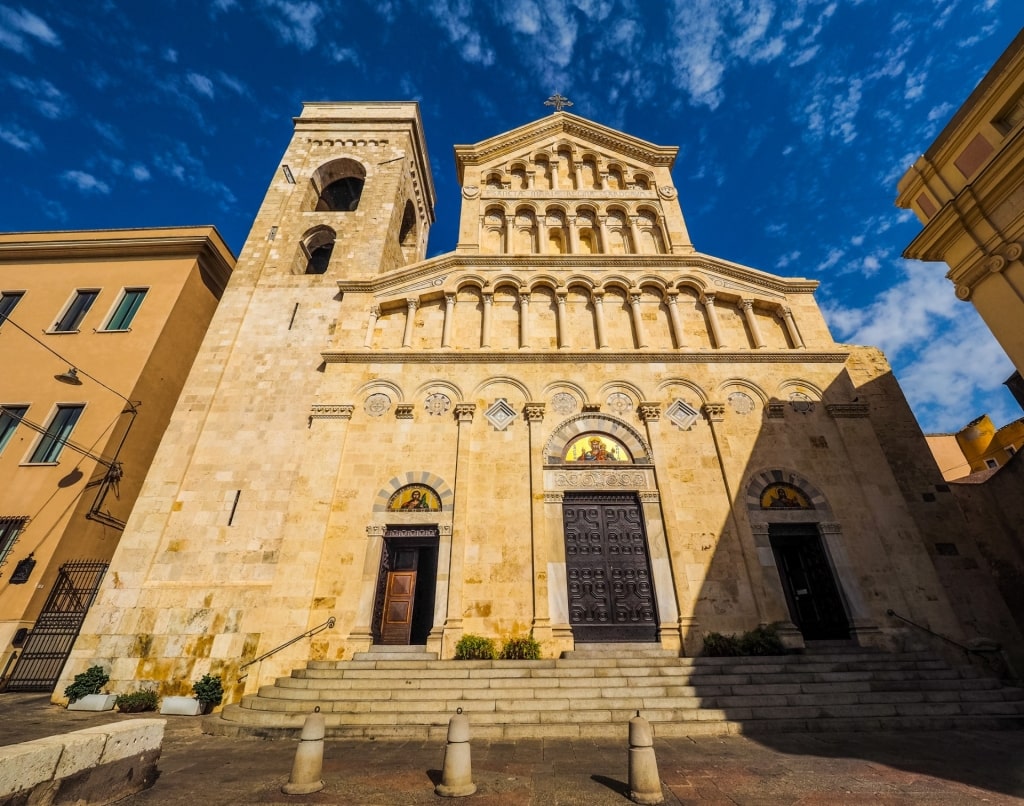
135 702
209 691
84 693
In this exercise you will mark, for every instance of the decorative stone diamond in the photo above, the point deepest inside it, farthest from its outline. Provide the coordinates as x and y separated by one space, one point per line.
500 414
563 403
619 403
741 402
438 404
377 405
682 414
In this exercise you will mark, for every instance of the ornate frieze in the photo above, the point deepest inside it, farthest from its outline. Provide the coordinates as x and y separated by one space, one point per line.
838 410
576 479
331 411
403 411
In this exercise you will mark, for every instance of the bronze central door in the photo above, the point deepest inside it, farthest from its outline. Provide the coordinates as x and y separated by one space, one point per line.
611 593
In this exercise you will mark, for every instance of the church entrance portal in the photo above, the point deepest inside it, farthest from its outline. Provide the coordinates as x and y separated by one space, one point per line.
810 588
404 608
611 593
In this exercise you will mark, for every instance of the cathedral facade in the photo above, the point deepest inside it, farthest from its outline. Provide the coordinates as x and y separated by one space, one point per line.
573 425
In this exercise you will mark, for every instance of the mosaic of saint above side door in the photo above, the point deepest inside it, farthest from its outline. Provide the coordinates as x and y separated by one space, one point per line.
596 448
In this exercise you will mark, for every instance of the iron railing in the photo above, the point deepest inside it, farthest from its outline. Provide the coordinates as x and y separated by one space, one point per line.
307 634
992 656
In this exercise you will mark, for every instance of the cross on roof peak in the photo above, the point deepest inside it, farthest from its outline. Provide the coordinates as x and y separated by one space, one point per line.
558 101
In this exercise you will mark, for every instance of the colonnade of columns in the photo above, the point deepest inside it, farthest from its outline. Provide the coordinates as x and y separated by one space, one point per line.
569 233
784 313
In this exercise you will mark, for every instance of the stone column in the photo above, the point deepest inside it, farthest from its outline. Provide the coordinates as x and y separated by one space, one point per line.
597 295
460 521
577 174
449 320
554 173
602 178
787 318
708 301
410 320
755 328
602 228
510 234
541 625
634 233
638 322
715 413
485 325
561 321
435 640
657 537
672 297
542 235
524 320
574 235
846 581
361 637
371 325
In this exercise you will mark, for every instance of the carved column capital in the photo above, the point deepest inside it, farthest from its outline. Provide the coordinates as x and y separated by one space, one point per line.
708 300
376 530
776 408
715 411
649 411
403 411
672 296
449 300
464 412
748 304
534 412
524 297
412 303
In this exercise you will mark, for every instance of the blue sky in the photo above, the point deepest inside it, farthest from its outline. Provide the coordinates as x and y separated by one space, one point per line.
794 121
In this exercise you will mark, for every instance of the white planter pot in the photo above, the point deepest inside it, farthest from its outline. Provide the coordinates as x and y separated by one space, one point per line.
94 702
180 706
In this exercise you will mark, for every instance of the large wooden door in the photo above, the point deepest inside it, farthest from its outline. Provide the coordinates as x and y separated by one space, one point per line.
611 593
811 592
399 596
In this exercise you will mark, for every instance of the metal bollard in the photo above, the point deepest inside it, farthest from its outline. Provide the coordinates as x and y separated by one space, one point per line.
457 774
309 758
644 781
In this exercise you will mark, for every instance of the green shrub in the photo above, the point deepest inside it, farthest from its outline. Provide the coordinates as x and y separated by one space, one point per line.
519 648
717 645
208 690
474 647
136 701
758 641
762 641
91 681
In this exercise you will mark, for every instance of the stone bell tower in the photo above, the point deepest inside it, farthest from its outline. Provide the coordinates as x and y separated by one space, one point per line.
226 538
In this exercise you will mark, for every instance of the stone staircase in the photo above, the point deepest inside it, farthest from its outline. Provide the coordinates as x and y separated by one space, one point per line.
594 693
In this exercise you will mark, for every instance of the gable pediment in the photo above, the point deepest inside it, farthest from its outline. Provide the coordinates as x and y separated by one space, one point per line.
563 130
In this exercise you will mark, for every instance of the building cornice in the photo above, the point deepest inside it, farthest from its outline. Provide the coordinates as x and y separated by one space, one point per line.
203 244
582 357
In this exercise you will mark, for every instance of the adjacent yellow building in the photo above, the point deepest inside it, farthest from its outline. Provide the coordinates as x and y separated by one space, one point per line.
98 331
967 190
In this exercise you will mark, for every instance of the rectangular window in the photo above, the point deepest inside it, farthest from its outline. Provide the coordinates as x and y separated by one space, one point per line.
10 528
75 312
123 314
8 299
56 434
10 416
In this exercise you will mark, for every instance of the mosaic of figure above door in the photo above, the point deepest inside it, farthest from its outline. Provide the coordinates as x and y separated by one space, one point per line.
611 593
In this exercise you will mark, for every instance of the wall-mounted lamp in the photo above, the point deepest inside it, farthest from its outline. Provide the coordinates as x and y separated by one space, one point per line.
70 377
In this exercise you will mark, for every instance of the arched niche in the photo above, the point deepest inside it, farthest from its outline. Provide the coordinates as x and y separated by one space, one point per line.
570 430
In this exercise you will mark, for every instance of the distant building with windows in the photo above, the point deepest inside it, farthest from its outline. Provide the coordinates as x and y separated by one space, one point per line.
98 330
977 447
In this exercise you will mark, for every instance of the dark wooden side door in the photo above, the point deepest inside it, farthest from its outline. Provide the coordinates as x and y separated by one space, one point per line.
811 592
399 596
611 593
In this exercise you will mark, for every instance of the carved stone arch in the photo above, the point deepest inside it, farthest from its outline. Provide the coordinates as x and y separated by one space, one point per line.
667 385
610 387
652 281
505 280
574 390
580 281
643 180
519 386
791 385
315 249
697 284
493 179
617 281
445 387
742 385
390 388
338 184
477 281
426 477
579 424
544 281
820 512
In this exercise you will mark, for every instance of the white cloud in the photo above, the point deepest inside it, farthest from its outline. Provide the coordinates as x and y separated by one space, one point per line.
295 21
180 164
139 172
832 114
342 55
236 85
49 101
200 84
19 28
20 138
454 17
170 55
85 182
222 6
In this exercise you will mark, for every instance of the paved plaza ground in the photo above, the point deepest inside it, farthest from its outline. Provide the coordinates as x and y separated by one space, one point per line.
943 768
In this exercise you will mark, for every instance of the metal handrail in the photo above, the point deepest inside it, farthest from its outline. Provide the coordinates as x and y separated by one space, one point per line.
307 634
969 650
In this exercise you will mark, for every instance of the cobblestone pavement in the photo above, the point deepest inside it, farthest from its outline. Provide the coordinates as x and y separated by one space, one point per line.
944 768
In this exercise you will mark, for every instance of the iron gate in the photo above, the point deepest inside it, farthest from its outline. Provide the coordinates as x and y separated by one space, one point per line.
49 643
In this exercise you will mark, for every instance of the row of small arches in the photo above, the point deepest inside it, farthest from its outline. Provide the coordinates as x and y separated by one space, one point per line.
559 230
560 169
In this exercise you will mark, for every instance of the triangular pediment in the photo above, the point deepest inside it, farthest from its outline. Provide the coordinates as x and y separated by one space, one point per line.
563 128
